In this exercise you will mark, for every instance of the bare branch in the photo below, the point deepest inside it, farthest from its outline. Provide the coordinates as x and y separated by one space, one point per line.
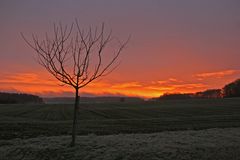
69 57
75 58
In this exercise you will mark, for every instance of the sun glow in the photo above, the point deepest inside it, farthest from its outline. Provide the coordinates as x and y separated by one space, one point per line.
44 85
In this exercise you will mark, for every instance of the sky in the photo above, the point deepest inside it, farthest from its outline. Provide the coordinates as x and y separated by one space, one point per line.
176 46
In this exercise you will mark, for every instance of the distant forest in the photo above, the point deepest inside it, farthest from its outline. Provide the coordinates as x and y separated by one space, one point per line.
15 98
228 91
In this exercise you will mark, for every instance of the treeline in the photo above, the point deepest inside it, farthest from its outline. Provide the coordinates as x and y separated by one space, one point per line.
229 90
14 98
232 89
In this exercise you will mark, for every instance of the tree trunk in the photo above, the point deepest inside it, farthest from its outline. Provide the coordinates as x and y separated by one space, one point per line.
75 118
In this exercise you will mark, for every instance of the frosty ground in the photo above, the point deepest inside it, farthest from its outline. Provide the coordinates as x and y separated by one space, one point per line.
177 130
214 144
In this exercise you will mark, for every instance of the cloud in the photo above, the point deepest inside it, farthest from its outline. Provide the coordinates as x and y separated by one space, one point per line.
26 78
30 83
174 80
219 74
44 86
160 82
190 85
127 85
160 88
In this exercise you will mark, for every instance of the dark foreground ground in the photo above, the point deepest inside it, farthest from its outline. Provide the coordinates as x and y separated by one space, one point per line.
178 130
31 120
210 144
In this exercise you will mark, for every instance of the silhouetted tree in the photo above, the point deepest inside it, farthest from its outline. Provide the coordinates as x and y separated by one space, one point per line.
210 93
12 98
174 96
75 56
232 89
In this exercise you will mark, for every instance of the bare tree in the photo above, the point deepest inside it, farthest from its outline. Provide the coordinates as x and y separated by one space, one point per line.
75 57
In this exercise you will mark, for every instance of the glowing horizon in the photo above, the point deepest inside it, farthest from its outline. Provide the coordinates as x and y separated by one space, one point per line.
34 84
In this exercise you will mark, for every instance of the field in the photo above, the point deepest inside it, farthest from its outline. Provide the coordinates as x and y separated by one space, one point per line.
30 120
179 129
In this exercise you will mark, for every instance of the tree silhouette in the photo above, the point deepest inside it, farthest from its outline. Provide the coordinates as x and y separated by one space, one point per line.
75 56
14 98
232 89
210 93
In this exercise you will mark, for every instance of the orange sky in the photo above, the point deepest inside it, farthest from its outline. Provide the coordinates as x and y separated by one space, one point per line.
176 46
44 85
